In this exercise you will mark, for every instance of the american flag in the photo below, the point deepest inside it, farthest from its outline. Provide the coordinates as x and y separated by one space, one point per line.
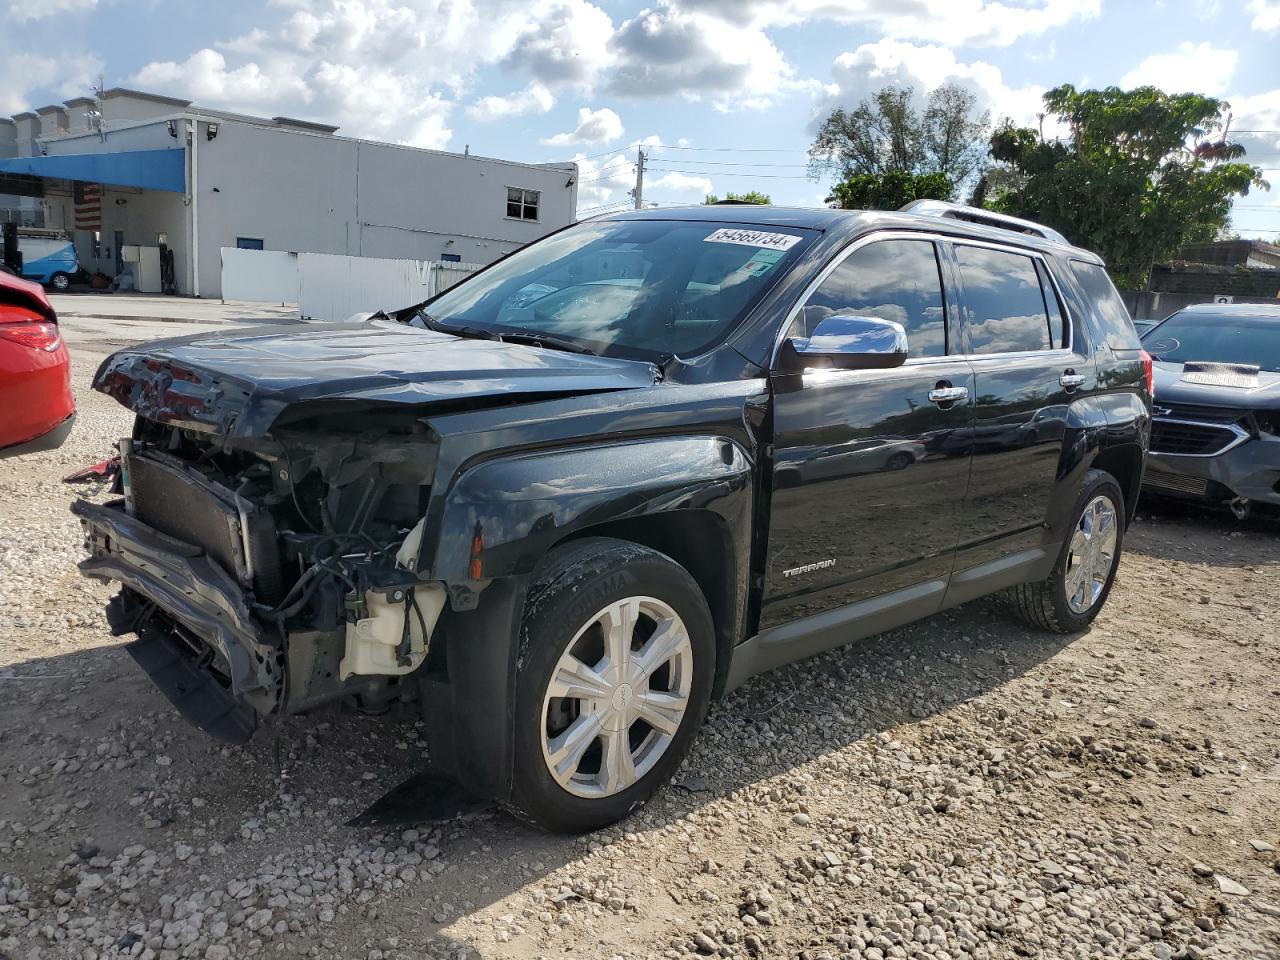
88 198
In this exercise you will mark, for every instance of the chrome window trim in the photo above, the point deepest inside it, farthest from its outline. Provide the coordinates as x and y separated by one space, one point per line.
1067 352
1241 436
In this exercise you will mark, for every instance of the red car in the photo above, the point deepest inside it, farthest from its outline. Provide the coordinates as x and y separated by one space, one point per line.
35 371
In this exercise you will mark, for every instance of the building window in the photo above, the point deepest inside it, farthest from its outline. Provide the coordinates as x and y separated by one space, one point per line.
248 243
451 257
522 204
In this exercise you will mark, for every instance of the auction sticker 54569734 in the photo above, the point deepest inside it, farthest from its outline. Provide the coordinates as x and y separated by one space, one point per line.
753 238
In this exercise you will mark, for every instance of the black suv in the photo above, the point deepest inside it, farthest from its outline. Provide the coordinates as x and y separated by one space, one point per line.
612 476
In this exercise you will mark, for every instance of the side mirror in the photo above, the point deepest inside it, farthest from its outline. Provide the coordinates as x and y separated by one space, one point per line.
848 343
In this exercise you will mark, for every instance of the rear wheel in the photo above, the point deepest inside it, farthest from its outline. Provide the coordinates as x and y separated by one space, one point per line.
1073 594
60 281
617 659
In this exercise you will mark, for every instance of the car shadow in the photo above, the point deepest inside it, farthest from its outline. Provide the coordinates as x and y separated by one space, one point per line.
148 778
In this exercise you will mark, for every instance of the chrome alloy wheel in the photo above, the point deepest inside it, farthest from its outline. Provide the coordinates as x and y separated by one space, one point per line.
1091 554
616 697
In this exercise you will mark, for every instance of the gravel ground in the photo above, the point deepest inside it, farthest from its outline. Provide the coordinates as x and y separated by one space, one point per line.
962 787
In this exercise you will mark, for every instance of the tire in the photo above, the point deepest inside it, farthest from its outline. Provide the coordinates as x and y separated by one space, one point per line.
1047 604
60 281
583 585
899 461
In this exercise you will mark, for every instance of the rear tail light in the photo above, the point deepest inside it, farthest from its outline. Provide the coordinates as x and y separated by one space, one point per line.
1148 373
38 334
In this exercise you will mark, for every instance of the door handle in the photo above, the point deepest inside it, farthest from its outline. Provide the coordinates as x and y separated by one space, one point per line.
948 394
1071 380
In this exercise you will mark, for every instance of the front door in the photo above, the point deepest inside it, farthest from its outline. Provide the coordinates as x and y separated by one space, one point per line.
870 472
1026 373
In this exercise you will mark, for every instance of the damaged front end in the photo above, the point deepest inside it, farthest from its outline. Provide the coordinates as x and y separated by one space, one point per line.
273 573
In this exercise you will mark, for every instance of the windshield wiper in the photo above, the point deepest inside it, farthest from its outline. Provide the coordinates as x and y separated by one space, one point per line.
545 340
434 325
506 336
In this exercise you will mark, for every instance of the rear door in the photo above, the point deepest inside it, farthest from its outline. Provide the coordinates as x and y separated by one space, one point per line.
1018 340
869 471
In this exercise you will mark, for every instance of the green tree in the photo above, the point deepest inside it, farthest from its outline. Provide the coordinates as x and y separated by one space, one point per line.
889 133
1139 174
751 196
888 191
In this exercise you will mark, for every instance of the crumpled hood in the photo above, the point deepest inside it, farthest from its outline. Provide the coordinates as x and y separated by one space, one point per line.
1171 386
239 383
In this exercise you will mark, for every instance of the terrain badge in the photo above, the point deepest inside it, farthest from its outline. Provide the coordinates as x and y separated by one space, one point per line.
809 568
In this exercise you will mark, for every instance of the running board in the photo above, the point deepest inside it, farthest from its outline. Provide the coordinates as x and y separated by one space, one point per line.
197 695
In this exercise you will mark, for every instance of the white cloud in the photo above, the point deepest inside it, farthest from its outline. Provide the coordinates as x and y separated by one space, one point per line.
668 51
1259 112
594 128
1201 67
858 74
391 69
951 22
603 180
1266 15
206 77
684 184
22 74
20 11
19 75
565 43
535 99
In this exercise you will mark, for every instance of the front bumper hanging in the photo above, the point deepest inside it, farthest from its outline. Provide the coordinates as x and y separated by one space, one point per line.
188 587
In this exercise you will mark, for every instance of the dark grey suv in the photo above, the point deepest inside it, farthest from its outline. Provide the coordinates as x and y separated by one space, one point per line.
571 500
1216 430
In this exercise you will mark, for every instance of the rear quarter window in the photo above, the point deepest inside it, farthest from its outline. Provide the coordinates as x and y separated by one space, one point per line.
1110 317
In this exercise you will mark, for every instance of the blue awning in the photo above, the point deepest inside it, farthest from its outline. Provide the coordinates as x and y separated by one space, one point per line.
149 169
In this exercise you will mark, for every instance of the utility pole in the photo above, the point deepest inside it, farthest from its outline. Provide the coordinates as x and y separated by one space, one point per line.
638 192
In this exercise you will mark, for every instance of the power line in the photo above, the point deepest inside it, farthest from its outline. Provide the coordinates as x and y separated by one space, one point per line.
668 146
756 176
592 157
730 163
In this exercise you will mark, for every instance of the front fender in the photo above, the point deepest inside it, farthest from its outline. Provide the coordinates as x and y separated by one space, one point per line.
502 516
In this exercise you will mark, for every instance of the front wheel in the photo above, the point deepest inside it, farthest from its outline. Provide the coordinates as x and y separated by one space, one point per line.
617 659
60 281
1073 594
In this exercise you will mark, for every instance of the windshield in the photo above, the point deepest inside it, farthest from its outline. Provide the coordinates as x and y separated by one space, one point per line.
1185 337
642 289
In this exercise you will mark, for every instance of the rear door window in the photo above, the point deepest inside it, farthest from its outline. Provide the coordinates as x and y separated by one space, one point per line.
1004 304
893 280
1108 310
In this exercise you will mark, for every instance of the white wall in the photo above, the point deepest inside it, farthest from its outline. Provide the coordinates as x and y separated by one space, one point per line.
265 276
300 191
334 287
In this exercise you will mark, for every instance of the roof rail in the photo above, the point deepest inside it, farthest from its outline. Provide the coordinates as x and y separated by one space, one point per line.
987 218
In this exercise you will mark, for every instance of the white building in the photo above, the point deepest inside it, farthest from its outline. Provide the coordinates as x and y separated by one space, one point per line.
197 180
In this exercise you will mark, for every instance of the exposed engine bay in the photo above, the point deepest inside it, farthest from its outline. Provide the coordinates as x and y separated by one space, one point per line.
294 579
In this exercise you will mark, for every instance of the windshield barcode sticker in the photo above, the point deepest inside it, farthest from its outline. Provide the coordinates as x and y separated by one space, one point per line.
754 238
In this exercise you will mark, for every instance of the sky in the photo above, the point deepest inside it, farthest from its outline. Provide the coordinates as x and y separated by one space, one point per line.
724 94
